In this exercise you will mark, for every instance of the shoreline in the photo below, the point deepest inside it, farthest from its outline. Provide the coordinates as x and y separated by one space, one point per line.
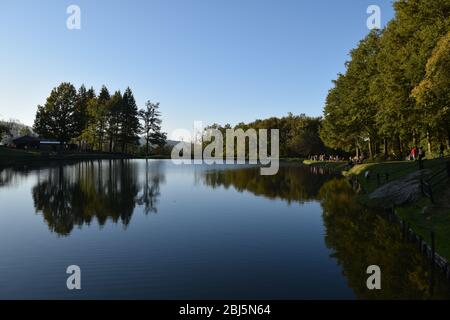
11 157
421 224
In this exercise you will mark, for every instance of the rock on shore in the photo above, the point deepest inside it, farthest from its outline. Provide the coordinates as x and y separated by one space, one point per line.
404 190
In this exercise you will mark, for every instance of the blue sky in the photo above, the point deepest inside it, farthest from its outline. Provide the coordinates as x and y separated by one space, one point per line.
209 60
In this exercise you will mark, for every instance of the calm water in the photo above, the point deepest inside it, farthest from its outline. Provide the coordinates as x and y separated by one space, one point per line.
157 230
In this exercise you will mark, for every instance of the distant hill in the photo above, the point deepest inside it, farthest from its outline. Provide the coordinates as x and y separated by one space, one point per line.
15 129
169 143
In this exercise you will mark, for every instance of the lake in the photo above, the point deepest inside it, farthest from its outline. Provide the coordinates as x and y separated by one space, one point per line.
155 230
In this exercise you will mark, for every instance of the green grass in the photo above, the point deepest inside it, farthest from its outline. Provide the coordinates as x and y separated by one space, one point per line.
394 169
7 153
438 221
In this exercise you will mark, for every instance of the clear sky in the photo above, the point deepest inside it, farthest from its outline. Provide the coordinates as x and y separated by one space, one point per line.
223 61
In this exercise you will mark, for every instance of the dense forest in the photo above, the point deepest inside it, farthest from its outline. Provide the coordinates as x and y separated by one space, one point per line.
395 93
102 122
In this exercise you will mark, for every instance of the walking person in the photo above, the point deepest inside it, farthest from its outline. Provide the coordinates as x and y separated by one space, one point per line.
421 156
414 153
421 153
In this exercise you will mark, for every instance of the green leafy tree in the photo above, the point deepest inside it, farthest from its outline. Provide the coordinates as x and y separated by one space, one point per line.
58 119
336 130
94 132
299 135
373 103
113 118
433 92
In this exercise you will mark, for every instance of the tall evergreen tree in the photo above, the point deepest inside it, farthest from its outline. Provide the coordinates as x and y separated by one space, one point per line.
101 115
81 110
129 121
113 118
152 125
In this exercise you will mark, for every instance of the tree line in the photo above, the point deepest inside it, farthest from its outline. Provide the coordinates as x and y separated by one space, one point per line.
395 92
298 134
102 122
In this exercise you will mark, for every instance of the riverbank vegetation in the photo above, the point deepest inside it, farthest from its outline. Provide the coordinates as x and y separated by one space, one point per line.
395 93
423 215
394 96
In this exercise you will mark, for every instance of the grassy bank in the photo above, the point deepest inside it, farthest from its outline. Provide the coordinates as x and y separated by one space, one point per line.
388 171
10 156
436 220
422 215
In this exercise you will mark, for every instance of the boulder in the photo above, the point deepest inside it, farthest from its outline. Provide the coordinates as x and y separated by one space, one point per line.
404 190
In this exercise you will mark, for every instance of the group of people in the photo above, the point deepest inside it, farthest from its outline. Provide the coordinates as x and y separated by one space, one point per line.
324 157
356 159
416 154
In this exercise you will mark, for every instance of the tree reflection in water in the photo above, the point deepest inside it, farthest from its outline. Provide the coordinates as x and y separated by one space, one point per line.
151 186
357 237
73 195
292 183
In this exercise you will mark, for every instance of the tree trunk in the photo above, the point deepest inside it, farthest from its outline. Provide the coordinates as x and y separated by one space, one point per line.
385 146
370 149
429 143
448 138
399 146
110 144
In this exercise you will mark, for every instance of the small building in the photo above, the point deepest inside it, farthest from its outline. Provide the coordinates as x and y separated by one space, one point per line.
49 145
32 143
26 142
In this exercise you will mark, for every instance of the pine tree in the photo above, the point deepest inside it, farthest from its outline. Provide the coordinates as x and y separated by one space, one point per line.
113 118
129 121
81 110
152 126
101 115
